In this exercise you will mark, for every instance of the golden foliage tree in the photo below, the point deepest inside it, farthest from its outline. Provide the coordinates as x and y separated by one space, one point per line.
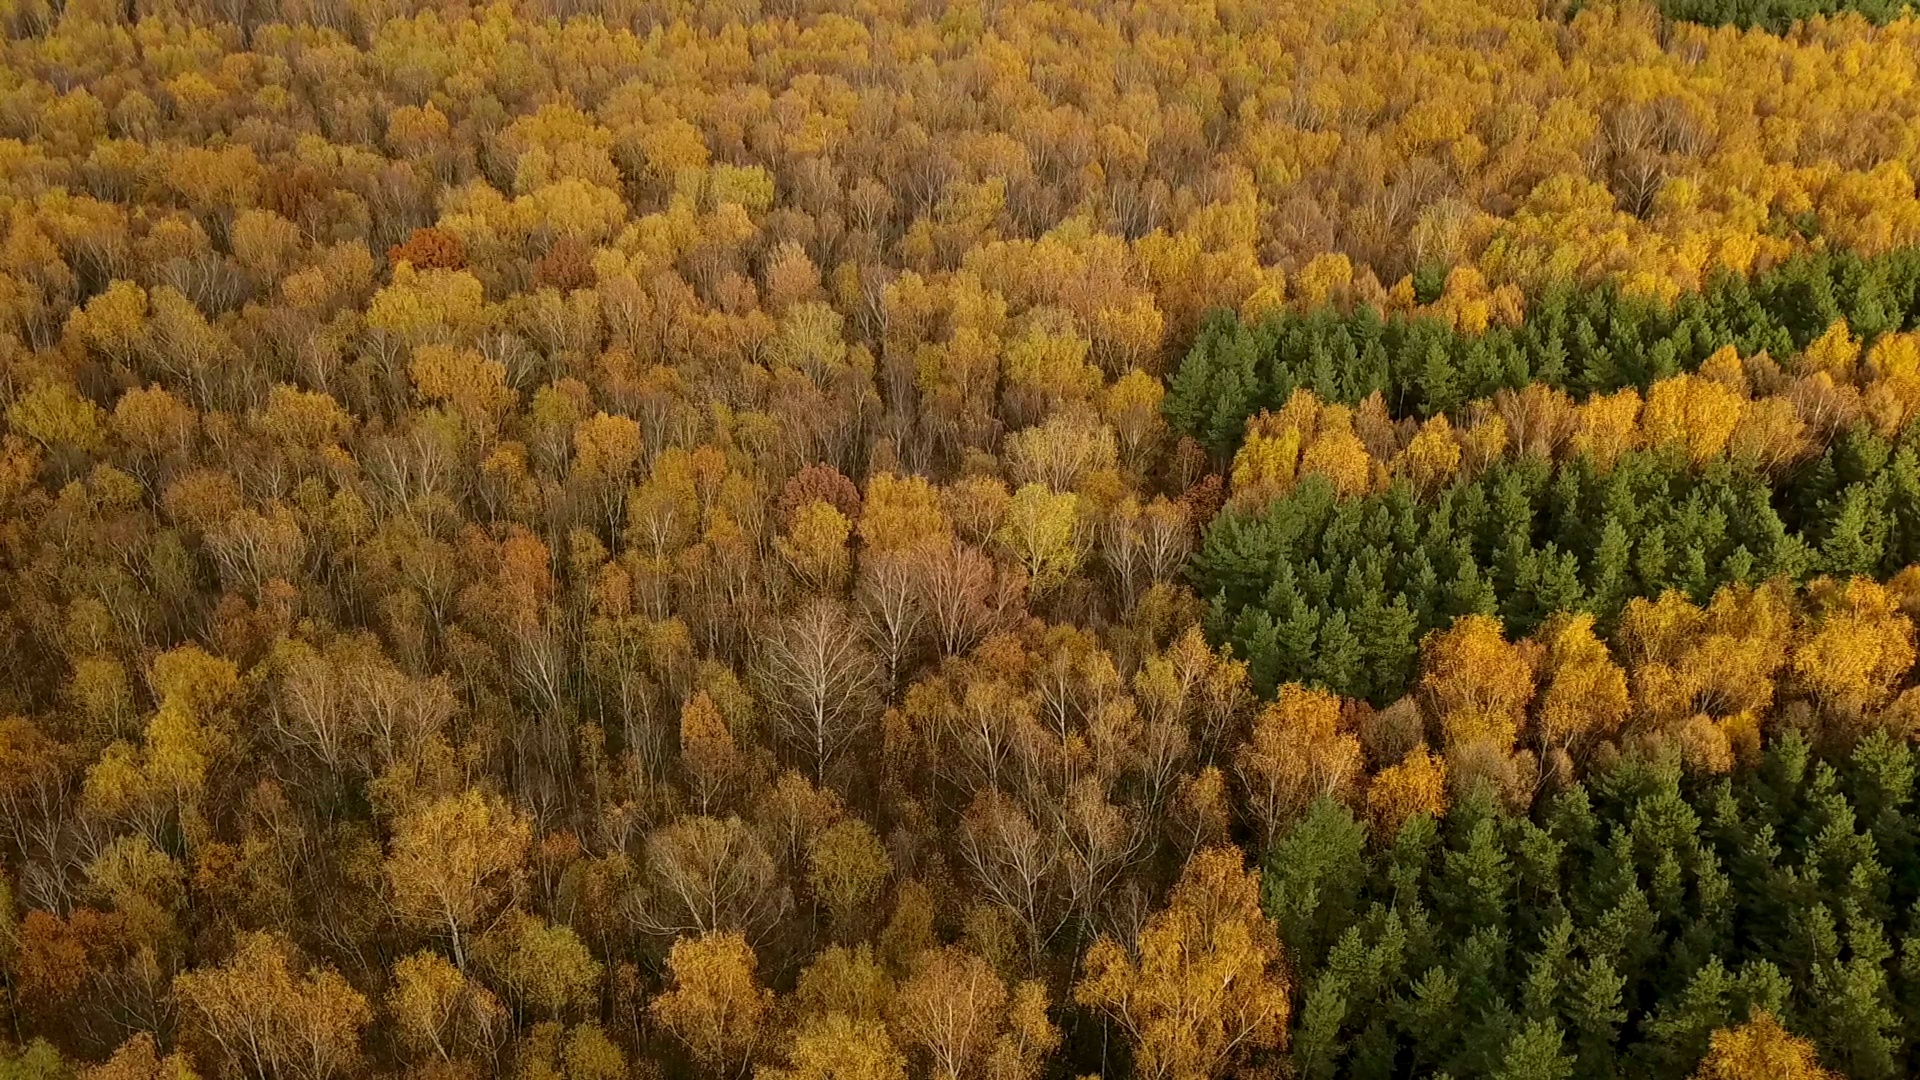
260 1015
1298 751
713 1002
1206 993
453 861
1760 1049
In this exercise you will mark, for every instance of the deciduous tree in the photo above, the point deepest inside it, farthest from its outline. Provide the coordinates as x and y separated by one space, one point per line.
260 1014
1203 989
453 862
713 1002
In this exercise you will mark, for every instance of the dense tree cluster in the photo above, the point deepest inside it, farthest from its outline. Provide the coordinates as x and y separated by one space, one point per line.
1637 925
639 538
1780 16
1340 591
1439 356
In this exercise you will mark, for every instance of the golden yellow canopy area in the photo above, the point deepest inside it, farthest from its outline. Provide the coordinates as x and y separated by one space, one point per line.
1130 164
655 540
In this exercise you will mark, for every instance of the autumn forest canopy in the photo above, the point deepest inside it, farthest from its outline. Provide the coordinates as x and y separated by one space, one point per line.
916 540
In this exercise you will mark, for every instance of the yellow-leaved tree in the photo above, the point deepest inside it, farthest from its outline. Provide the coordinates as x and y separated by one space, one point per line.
1760 1049
1206 991
1417 785
1476 683
957 1013
1859 646
453 861
1583 693
713 1002
841 1047
261 1015
1297 752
